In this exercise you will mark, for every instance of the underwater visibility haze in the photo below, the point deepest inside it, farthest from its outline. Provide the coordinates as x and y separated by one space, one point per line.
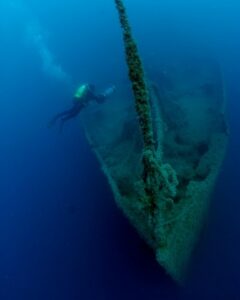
119 149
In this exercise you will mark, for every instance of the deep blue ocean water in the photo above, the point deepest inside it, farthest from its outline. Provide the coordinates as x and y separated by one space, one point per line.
61 234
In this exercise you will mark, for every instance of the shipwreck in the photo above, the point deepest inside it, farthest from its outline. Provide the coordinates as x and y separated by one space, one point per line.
161 147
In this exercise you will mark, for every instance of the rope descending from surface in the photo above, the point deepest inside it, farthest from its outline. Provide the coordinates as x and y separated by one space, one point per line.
136 75
155 175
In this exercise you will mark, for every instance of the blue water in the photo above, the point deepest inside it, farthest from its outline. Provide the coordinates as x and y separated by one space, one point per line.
61 234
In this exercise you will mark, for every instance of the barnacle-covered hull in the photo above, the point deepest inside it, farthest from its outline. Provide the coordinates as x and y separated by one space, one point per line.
190 135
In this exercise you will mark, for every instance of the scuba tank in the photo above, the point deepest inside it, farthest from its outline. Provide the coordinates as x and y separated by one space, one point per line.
81 92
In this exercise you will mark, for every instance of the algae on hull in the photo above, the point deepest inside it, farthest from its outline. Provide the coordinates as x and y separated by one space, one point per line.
165 194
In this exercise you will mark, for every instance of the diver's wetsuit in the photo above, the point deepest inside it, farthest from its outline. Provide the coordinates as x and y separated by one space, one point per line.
78 105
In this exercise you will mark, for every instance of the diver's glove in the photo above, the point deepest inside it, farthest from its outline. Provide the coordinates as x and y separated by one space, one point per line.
109 91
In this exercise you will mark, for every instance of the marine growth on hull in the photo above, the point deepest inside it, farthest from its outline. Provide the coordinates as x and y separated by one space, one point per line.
161 149
190 136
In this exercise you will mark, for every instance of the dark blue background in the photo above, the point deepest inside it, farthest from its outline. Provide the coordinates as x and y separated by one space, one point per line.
61 234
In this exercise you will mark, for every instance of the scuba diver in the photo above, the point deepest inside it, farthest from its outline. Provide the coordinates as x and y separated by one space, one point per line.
83 95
